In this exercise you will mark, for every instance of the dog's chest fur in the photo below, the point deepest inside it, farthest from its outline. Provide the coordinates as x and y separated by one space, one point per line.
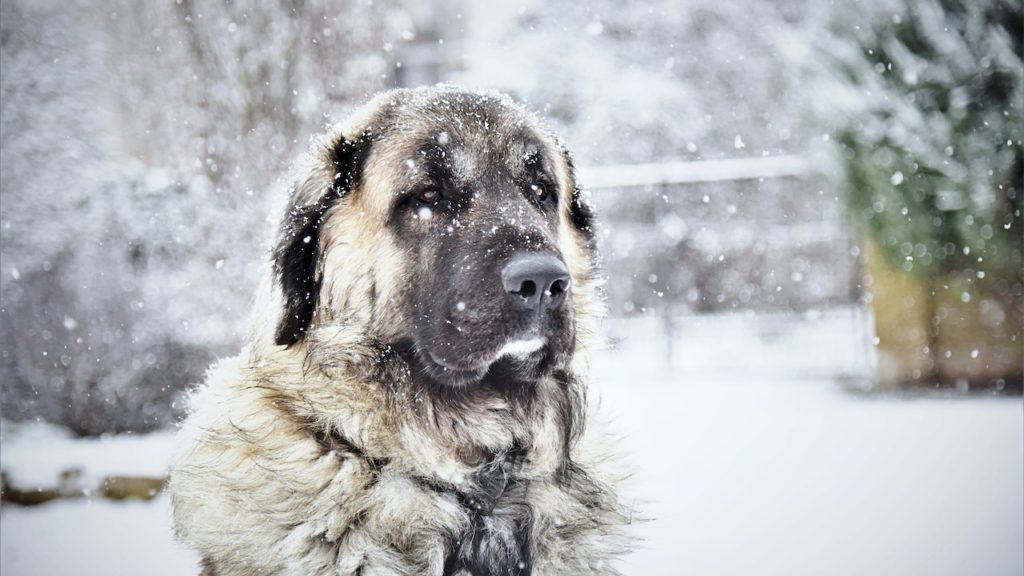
261 485
497 537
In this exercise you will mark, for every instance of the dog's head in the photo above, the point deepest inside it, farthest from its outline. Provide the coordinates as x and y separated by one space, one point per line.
447 224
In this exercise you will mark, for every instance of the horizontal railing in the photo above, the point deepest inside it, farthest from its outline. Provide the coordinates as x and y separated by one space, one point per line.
683 172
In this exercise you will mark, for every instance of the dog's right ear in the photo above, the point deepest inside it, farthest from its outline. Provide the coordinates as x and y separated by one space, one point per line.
298 243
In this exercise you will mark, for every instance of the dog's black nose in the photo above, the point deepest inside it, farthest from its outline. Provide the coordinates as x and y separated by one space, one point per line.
535 280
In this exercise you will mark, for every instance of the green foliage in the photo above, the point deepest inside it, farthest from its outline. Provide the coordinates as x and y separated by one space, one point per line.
932 115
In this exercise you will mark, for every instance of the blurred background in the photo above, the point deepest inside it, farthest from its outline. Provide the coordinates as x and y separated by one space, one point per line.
811 227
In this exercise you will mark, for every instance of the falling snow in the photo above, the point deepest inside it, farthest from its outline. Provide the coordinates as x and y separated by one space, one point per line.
741 297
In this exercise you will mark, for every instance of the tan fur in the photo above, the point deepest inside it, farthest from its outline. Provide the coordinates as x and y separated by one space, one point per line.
321 459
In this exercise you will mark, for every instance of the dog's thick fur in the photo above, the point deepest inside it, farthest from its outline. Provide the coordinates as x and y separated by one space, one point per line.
372 426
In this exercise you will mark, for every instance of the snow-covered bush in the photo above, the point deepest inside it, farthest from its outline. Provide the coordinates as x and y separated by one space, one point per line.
928 108
97 336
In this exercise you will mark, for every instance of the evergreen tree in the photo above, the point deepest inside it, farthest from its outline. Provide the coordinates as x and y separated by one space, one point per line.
927 107
931 136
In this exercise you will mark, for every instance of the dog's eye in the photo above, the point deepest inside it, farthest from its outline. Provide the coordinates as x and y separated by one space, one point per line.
540 191
429 196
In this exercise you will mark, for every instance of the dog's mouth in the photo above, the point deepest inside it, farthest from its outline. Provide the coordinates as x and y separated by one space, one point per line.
526 352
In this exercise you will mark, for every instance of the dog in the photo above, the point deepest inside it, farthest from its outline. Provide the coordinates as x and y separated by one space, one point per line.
411 400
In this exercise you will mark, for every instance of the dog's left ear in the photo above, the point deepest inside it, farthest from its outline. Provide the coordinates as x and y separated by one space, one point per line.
581 213
298 243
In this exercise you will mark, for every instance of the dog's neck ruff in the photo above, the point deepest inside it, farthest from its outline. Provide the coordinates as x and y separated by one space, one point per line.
493 498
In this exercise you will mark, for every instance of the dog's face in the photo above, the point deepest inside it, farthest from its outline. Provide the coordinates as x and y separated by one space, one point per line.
448 225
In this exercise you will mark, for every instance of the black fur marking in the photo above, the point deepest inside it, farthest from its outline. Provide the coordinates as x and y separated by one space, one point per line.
581 213
295 266
208 569
295 256
504 377
335 442
499 541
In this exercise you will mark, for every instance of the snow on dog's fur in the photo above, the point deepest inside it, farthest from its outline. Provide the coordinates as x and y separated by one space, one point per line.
408 403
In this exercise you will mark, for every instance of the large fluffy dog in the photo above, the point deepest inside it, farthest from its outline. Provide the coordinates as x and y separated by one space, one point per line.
411 400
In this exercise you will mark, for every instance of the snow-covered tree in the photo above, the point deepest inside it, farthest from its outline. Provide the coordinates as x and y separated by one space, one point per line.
131 133
931 132
927 109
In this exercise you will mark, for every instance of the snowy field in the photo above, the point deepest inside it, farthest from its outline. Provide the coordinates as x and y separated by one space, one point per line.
750 455
793 475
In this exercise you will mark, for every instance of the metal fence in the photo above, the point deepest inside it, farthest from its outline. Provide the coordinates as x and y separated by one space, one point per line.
747 253
763 234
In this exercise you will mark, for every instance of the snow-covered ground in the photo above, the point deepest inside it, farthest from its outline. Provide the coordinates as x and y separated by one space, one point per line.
87 536
92 537
792 475
750 457
36 454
